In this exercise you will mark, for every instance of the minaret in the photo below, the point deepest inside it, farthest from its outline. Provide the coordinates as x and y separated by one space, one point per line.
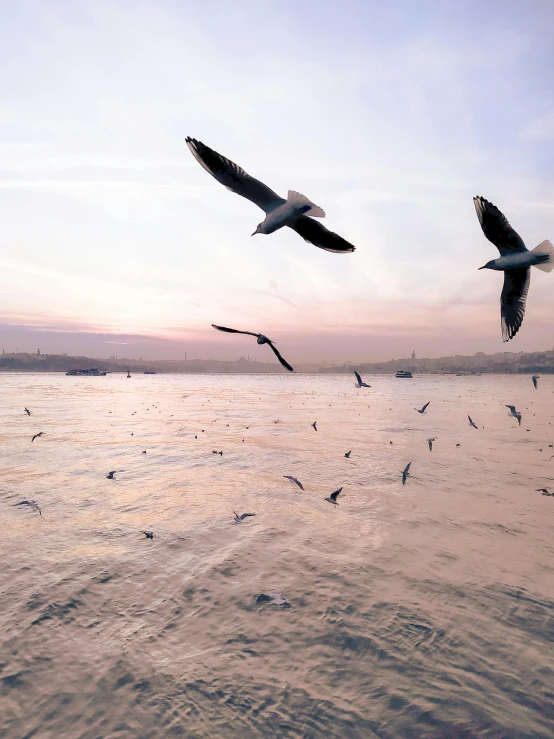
413 355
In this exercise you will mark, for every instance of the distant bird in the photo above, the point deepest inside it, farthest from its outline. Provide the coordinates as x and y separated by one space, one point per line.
359 379
295 480
514 413
544 491
333 497
31 503
515 261
472 422
406 473
240 519
27 411
458 445
314 425
275 599
430 442
144 452
422 410
148 534
293 212
347 455
111 474
261 339
535 383
37 435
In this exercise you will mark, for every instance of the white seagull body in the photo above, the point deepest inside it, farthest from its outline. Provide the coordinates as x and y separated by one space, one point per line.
292 212
515 261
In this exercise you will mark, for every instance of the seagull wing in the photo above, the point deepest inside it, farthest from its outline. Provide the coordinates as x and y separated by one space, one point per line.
407 468
358 377
315 233
244 515
336 494
425 406
232 176
496 228
233 330
285 364
512 300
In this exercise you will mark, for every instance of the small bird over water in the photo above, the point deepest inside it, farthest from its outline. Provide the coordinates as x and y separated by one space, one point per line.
514 413
261 339
422 410
430 442
347 455
292 212
515 261
111 474
472 422
148 534
406 473
544 491
360 382
240 519
295 480
31 503
535 383
37 435
314 424
333 497
27 411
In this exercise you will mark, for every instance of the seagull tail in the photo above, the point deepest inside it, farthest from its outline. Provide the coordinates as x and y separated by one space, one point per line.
545 250
308 208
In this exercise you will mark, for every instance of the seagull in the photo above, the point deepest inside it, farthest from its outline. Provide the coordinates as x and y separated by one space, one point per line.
111 474
515 261
534 378
347 455
360 383
544 491
430 442
314 425
240 519
406 473
333 497
37 435
276 599
148 534
295 480
261 339
27 411
422 409
31 504
144 452
293 212
514 413
472 422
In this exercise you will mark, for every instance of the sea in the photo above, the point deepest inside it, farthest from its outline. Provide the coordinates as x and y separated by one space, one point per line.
416 610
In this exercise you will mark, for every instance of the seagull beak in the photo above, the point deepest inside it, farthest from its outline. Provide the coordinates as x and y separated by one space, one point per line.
483 267
255 232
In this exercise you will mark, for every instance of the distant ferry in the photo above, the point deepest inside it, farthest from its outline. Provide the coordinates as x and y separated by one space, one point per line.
403 373
149 372
88 372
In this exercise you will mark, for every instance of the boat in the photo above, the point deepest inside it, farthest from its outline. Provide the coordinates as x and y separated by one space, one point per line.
149 372
94 372
128 373
404 373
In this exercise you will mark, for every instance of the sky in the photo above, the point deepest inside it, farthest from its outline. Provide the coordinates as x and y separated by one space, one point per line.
391 115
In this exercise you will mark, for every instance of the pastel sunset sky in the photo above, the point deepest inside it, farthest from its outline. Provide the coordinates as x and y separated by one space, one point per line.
390 115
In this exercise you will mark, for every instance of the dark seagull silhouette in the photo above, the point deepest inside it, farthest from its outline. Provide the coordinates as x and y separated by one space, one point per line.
360 382
514 413
111 474
515 261
261 339
314 424
544 491
37 435
31 503
333 497
27 411
430 442
148 534
406 473
292 212
347 455
472 422
295 480
535 383
240 519
422 410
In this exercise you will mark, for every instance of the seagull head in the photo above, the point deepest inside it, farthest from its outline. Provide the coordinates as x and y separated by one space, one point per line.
489 265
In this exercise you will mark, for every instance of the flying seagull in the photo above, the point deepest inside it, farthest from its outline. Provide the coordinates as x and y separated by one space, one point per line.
514 413
37 435
430 442
295 480
111 474
544 491
293 212
347 455
406 473
535 383
261 339
148 534
422 410
275 599
515 261
333 497
27 411
360 382
314 424
31 504
472 422
240 519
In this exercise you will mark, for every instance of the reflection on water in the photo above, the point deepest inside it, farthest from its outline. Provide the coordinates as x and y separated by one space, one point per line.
417 611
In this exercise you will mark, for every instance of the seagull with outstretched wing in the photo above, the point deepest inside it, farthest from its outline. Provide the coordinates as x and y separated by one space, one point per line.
240 519
261 339
360 381
422 410
515 261
472 422
406 473
295 480
333 497
293 212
